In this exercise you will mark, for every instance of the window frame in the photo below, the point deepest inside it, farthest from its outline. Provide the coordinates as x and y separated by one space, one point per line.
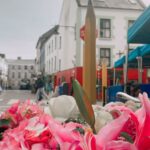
129 23
13 75
25 75
60 42
103 28
105 56
19 75
25 67
19 67
59 64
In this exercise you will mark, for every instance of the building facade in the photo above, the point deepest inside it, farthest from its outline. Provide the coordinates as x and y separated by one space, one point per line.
64 50
3 71
20 71
47 50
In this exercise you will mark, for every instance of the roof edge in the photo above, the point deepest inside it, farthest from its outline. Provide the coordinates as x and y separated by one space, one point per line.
85 6
43 36
142 3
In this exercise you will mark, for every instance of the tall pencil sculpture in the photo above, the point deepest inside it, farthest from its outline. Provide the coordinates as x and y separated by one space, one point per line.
89 54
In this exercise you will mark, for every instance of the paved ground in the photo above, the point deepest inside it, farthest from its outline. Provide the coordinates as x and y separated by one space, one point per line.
9 97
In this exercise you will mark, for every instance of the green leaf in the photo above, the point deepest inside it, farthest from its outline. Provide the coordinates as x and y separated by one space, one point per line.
126 136
84 104
1 136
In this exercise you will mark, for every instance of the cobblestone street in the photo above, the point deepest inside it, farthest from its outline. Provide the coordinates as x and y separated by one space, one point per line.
9 97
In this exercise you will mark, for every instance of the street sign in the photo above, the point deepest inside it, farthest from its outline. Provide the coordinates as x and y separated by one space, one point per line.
82 33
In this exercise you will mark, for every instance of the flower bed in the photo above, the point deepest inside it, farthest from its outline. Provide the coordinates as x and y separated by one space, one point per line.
25 126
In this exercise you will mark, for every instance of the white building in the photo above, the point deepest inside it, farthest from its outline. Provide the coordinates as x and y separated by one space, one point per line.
3 71
20 70
47 49
113 17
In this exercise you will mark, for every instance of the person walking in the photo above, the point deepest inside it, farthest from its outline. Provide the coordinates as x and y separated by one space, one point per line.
40 89
1 89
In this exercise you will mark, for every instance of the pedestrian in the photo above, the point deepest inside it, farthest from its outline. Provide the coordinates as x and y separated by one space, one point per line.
51 88
136 90
47 90
0 89
40 89
71 88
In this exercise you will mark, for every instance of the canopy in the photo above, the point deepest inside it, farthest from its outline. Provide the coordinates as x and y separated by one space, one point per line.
119 62
139 32
141 51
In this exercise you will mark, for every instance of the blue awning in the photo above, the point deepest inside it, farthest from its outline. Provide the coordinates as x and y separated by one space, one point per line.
139 32
143 51
134 54
119 62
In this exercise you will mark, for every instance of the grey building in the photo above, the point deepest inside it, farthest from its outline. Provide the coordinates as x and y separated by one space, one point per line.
20 71
41 48
3 71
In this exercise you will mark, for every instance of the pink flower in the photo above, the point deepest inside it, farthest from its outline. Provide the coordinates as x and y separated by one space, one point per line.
142 140
119 145
31 129
19 111
111 131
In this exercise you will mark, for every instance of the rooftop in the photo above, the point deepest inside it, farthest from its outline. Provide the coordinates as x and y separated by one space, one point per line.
20 61
115 4
43 38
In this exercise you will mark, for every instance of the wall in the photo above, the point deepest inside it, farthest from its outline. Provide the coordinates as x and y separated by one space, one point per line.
119 25
72 18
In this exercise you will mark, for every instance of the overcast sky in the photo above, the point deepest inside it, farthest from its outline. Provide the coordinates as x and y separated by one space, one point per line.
23 21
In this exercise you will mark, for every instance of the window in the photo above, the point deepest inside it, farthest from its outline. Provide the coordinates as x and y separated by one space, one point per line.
105 54
19 75
55 64
25 67
46 50
49 48
13 75
60 42
19 67
52 65
59 64
52 45
55 42
13 67
105 28
31 67
49 66
25 75
130 23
